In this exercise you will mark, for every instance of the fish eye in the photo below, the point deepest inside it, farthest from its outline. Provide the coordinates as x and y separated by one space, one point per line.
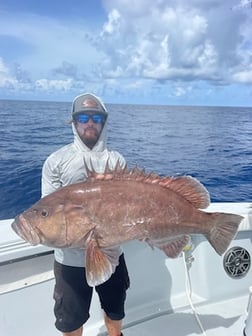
44 213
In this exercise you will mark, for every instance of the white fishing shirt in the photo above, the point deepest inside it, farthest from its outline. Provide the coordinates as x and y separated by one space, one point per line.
66 166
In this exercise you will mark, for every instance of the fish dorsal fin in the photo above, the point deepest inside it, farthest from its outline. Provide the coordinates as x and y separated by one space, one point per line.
190 188
108 173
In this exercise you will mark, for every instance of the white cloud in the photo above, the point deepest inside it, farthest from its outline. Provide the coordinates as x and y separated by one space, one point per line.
45 84
242 4
243 76
113 23
67 69
137 47
165 44
178 40
182 91
6 79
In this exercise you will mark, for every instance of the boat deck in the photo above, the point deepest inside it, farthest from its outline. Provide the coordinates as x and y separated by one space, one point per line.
226 318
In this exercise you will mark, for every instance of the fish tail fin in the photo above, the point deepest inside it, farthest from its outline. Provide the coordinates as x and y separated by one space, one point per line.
223 230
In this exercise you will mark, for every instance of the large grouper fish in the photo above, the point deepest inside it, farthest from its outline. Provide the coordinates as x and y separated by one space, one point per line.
122 205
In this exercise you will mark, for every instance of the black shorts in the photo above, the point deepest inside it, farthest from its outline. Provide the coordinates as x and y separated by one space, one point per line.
73 295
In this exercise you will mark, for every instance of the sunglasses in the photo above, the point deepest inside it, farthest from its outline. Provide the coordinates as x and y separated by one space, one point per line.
84 118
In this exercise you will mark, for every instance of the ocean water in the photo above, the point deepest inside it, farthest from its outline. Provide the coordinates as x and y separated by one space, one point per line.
213 144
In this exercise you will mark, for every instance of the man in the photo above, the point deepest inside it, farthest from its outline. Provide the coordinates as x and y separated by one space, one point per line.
72 294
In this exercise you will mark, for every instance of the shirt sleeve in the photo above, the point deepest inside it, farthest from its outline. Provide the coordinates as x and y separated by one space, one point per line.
117 157
50 177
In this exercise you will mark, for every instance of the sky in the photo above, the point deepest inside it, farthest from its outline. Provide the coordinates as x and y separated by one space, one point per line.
167 52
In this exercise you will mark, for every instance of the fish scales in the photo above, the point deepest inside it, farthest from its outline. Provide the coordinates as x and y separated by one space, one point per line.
115 207
140 207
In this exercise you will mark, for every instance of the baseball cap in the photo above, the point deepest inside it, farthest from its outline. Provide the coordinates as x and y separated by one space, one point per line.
88 102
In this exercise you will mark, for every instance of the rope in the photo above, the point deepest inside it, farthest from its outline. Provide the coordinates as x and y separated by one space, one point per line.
189 293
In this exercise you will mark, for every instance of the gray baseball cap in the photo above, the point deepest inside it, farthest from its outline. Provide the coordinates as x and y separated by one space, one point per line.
88 102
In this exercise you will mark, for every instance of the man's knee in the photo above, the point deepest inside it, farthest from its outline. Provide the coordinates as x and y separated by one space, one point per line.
77 332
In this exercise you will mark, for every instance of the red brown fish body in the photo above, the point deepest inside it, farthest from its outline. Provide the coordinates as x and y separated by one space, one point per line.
115 207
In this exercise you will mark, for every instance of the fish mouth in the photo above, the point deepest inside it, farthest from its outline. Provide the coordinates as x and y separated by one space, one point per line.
23 229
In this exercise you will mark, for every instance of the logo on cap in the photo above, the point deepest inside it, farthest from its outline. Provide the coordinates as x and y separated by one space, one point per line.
90 103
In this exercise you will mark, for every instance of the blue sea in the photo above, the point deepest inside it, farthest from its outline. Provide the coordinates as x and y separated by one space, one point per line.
213 144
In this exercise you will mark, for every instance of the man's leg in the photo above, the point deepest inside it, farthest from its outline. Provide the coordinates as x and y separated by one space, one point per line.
112 294
77 332
72 297
114 327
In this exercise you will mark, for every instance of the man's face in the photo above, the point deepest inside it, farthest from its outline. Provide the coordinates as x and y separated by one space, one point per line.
89 127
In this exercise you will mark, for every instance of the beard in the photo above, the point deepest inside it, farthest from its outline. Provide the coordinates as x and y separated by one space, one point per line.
90 136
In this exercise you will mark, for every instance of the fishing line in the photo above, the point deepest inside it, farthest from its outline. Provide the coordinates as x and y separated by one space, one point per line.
188 287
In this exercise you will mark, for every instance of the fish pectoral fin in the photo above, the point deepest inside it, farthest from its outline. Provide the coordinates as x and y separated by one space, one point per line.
98 266
172 247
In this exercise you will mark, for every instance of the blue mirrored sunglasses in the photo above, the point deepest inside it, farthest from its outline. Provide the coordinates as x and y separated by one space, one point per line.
84 118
